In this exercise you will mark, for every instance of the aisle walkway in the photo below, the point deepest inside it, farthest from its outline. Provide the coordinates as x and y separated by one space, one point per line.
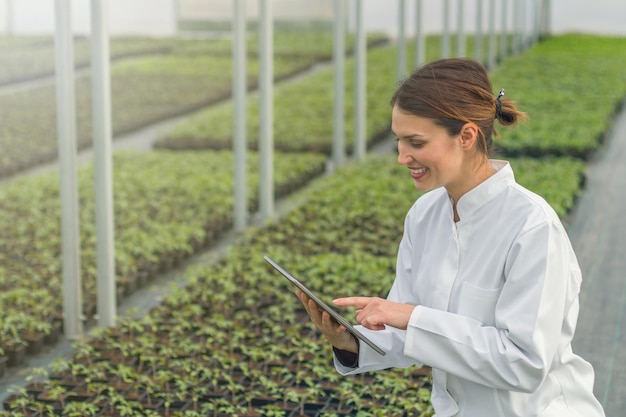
598 231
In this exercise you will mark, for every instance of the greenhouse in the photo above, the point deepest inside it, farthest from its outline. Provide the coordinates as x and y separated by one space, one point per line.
152 154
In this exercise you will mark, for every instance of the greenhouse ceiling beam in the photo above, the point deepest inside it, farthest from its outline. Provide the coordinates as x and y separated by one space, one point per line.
66 132
360 97
103 176
239 119
266 98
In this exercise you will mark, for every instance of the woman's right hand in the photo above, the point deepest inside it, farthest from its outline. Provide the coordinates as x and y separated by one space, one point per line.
335 333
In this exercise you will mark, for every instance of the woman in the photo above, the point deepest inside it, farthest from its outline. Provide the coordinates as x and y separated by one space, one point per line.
487 283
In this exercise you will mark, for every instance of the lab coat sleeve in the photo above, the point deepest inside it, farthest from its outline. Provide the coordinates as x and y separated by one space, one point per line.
391 340
542 279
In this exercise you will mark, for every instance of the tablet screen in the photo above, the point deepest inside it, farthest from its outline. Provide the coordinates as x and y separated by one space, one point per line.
324 306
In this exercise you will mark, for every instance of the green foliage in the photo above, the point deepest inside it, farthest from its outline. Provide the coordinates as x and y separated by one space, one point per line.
151 79
167 205
303 110
570 86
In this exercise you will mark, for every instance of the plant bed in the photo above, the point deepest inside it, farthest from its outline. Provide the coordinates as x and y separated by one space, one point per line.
173 211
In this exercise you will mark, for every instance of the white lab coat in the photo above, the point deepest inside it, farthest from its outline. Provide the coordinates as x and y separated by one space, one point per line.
496 297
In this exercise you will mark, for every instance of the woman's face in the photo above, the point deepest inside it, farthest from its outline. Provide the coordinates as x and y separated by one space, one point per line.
434 158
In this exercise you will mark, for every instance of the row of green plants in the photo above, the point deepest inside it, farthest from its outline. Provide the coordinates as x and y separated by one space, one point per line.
236 341
167 206
29 57
160 79
572 109
572 85
302 110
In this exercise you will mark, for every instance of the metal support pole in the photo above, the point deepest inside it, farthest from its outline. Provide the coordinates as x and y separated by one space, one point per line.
478 47
176 15
66 131
360 90
445 41
401 39
239 120
538 16
338 152
266 106
523 16
517 44
491 55
420 42
103 171
460 41
504 49
546 17
9 17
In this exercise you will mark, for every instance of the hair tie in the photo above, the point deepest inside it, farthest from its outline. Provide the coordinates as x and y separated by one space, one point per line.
499 104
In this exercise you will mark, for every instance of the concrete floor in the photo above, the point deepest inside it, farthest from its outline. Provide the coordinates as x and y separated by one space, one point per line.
598 231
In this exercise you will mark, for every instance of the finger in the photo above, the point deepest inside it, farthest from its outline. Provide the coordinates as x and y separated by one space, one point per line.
315 313
310 307
359 302
370 320
373 326
330 325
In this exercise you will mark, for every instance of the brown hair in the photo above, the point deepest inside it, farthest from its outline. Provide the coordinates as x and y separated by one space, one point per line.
453 92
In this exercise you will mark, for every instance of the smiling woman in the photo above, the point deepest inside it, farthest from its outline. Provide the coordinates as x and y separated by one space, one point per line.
487 283
443 116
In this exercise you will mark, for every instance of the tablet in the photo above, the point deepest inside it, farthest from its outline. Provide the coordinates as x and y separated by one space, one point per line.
338 318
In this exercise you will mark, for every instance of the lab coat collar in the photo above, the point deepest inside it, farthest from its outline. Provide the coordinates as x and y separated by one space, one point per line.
486 190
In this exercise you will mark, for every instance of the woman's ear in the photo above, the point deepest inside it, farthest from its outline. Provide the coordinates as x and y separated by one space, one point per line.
469 135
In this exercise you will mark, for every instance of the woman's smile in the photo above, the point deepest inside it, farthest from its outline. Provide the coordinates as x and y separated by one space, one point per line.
418 173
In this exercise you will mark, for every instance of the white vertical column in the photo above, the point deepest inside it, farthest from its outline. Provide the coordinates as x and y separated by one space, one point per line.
478 47
239 120
9 17
66 132
546 17
537 20
401 56
445 40
523 33
420 42
360 90
266 99
504 49
491 54
338 151
460 41
517 17
175 15
103 171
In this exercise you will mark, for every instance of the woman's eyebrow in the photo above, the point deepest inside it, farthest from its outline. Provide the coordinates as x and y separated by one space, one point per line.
410 136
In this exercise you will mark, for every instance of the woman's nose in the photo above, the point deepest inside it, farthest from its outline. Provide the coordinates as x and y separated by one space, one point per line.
403 155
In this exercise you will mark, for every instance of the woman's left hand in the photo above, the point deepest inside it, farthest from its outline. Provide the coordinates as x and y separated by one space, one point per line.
374 312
